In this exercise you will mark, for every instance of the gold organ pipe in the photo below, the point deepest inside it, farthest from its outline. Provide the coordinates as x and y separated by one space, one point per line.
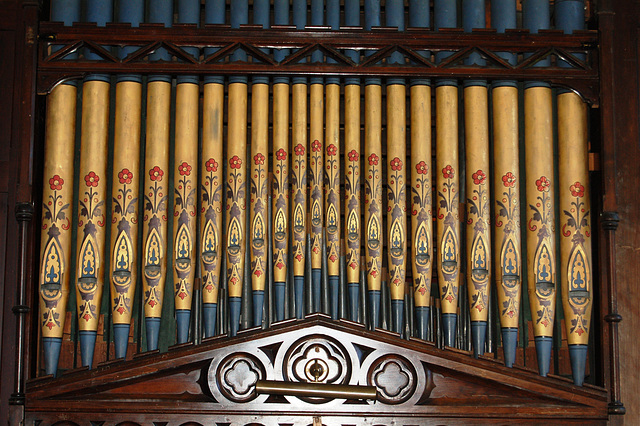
156 201
541 249
448 222
280 197
507 246
184 212
299 190
124 221
397 199
422 209
57 211
213 192
352 188
373 196
259 167
478 210
332 191
575 240
316 177
91 212
236 198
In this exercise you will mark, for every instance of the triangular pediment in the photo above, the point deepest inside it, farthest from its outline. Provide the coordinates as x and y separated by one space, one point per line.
270 374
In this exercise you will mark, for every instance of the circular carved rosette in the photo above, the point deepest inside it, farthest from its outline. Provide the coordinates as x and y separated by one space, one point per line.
237 376
394 377
317 360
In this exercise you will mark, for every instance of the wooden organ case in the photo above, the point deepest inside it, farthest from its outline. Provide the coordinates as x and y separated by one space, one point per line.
320 212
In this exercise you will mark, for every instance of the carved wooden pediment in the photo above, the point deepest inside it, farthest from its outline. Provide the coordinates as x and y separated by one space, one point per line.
335 372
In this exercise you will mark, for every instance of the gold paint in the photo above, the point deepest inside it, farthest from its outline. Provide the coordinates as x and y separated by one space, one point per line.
476 119
92 197
507 195
538 127
185 195
373 152
299 169
332 171
259 161
447 233
156 193
124 222
237 146
421 183
396 185
56 250
575 238
352 174
212 181
316 133
281 172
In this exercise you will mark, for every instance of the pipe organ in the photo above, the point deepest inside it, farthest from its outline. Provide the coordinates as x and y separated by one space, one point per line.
248 166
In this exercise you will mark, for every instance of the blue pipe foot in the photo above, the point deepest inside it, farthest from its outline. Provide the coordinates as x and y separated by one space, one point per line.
209 313
121 339
397 315
87 346
235 303
509 345
478 336
299 295
183 321
578 355
153 332
422 321
279 293
354 300
543 352
51 347
449 328
374 303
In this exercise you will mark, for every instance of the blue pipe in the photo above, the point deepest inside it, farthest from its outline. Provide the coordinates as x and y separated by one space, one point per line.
352 19
153 332
51 346
214 14
570 18
280 17
420 17
333 20
209 315
239 16
422 321
371 19
397 315
509 345
132 12
161 12
121 339
473 16
300 21
445 15
535 17
87 346
394 13
65 11
503 17
189 13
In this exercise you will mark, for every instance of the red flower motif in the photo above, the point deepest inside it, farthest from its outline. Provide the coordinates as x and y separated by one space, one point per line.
577 190
299 257
316 250
281 154
422 290
156 174
258 159
50 325
280 265
257 273
449 298
511 313
235 162
184 169
448 172
374 274
125 176
580 332
91 179
396 164
373 160
353 265
299 150
333 258
182 295
120 310
353 155
152 303
332 150
479 177
543 184
509 180
422 168
56 182
211 165
316 146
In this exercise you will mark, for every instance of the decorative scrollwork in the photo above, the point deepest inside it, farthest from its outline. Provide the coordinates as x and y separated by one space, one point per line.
394 377
237 376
